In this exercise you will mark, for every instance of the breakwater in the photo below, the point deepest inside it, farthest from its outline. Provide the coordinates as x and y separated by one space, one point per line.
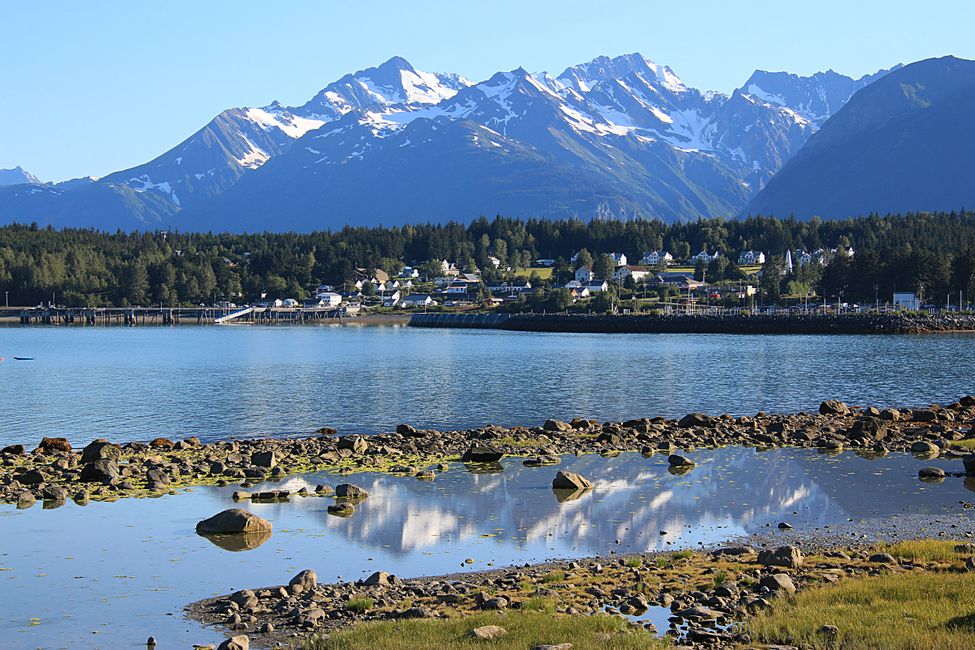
705 324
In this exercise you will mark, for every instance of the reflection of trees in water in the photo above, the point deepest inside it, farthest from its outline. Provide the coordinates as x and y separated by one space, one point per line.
731 491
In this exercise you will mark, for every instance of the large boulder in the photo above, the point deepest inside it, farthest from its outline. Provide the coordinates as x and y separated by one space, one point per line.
240 642
378 579
102 471
833 407
778 582
787 556
482 454
14 450
697 420
356 444
54 444
101 449
307 579
969 462
556 425
231 522
488 632
349 491
566 480
264 459
868 428
676 460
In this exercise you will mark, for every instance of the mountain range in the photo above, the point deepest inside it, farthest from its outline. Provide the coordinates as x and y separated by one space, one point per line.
615 137
902 144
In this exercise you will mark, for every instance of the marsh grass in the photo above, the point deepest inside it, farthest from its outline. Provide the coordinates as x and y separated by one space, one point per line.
925 550
359 605
553 576
526 629
896 612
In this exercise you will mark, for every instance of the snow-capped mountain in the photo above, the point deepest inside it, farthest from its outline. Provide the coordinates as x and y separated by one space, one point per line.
616 136
17 176
815 98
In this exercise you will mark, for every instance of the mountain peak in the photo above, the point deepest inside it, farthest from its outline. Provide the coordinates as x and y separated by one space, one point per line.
584 76
17 176
396 63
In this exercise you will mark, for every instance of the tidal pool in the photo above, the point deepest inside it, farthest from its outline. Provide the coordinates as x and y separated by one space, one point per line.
108 575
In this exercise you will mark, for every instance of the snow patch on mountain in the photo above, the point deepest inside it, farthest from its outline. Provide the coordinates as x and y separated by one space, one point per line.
291 125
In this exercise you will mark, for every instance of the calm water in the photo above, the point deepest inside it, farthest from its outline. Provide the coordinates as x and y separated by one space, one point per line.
110 574
137 383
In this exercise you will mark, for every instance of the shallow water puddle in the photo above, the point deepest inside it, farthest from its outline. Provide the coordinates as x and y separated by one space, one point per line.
108 575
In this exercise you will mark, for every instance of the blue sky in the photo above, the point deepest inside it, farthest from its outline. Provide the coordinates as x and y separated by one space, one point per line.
92 87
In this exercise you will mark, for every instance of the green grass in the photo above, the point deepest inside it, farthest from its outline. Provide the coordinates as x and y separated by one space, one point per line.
895 612
544 272
968 445
553 576
633 561
359 605
539 604
525 630
925 550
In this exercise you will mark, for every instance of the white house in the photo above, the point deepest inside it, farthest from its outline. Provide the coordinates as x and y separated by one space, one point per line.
409 272
703 256
391 299
653 258
329 298
578 293
803 257
573 284
290 303
584 274
417 300
457 287
751 258
447 268
619 258
595 286
638 273
495 262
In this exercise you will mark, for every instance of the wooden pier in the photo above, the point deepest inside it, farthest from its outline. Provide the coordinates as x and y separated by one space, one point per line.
169 315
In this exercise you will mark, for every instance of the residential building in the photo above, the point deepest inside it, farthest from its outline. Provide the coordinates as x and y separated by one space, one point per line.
391 299
638 273
595 286
703 256
751 258
655 258
584 274
418 300
409 272
619 258
906 300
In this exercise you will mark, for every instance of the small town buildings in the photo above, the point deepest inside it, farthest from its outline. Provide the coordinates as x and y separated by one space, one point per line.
447 268
703 256
545 262
580 292
656 258
329 298
409 272
584 274
418 300
681 281
391 299
906 300
573 284
638 273
751 258
457 287
288 303
619 258
595 286
495 262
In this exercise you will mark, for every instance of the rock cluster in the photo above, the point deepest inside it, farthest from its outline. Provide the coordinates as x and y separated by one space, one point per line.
102 470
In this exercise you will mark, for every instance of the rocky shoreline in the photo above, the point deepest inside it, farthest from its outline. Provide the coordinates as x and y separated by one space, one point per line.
704 596
800 323
54 472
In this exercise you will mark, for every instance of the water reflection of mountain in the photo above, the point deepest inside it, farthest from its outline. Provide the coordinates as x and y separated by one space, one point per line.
731 491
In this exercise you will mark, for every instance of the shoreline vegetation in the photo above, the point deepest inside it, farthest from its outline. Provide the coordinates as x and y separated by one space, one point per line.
870 595
734 596
54 471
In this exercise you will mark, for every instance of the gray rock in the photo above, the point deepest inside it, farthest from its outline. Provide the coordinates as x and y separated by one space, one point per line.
240 642
833 407
344 509
482 454
233 521
676 460
556 425
778 582
101 449
356 444
924 447
882 558
264 459
307 579
931 473
102 471
969 462
565 480
697 420
349 491
787 556
378 579
488 632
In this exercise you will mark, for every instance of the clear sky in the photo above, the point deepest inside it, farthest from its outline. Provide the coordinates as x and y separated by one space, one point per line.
93 87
